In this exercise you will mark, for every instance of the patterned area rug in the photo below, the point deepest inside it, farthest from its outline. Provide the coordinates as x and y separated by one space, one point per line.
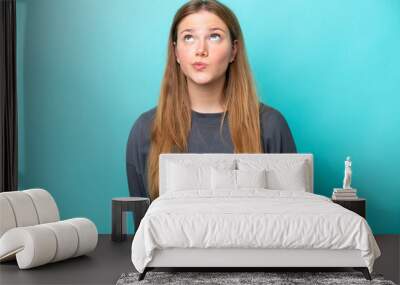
229 278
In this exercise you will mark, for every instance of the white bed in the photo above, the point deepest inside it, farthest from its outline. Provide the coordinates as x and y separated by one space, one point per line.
229 218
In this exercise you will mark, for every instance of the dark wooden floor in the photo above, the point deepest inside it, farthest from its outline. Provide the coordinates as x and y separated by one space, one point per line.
111 259
389 262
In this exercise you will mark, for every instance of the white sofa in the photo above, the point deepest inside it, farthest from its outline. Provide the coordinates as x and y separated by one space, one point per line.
31 231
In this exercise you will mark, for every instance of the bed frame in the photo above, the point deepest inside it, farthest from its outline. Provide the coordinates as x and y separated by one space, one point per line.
242 259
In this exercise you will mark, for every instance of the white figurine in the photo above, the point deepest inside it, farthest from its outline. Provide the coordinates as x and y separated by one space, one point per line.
347 174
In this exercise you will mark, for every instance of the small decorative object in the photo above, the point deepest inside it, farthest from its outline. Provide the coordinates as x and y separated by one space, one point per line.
347 174
347 192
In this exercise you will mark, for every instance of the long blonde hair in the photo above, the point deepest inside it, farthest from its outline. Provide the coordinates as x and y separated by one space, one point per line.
172 119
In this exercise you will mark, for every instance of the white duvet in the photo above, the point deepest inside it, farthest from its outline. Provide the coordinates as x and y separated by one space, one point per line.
250 218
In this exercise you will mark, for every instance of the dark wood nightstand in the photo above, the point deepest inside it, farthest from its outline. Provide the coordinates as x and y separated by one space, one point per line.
357 205
137 205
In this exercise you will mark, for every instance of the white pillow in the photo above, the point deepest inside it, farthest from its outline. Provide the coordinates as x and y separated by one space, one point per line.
281 174
251 178
294 178
236 179
223 179
187 177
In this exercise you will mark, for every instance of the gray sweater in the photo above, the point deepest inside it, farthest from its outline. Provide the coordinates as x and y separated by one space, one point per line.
204 137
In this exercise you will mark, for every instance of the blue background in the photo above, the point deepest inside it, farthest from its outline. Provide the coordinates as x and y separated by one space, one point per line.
87 69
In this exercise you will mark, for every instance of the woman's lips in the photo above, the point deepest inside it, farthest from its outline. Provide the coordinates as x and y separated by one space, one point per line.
199 66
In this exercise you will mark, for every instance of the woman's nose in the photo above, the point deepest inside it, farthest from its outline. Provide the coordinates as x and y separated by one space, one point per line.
202 48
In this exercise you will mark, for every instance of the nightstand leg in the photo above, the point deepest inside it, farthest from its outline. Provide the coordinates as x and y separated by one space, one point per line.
118 223
139 212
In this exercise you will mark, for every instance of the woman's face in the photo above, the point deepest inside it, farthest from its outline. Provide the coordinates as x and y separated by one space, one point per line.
203 37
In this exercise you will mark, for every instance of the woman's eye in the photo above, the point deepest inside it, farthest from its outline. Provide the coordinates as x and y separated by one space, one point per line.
215 36
186 37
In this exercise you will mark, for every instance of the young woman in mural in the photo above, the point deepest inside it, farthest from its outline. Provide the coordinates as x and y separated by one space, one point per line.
208 101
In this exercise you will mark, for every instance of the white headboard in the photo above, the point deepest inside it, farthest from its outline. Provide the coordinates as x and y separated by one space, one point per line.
211 158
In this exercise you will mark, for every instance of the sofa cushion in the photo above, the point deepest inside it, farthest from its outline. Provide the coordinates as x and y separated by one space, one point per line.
26 208
45 205
7 220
